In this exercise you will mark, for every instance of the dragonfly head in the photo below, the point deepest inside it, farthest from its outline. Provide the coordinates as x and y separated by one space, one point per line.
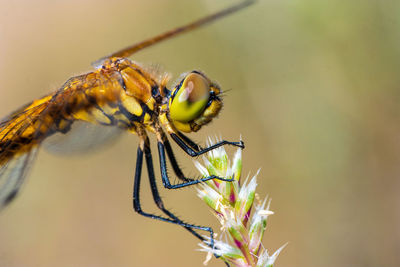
194 102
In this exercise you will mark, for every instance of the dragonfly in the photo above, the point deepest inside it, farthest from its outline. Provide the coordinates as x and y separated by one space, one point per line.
121 94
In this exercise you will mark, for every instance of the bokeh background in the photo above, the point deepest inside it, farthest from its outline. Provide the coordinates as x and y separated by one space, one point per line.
315 92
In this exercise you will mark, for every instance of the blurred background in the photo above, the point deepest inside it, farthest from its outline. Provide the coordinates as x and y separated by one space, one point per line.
315 92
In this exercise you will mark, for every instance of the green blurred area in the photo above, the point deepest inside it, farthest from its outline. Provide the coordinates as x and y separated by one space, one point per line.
315 87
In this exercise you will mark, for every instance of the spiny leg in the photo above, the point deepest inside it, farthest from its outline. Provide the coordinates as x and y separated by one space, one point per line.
174 163
188 145
160 204
190 142
195 150
171 155
164 174
144 147
158 200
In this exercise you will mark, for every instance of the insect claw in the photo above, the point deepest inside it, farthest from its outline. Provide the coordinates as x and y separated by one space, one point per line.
238 144
225 180
241 145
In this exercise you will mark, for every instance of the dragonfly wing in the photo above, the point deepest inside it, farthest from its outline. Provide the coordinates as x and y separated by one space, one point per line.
83 137
19 142
12 175
128 51
24 130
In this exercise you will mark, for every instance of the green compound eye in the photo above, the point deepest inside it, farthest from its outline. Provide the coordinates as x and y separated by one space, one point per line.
191 98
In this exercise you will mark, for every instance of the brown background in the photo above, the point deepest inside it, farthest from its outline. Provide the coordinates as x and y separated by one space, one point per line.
315 93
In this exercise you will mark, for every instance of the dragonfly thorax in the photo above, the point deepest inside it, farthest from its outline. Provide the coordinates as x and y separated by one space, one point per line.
192 103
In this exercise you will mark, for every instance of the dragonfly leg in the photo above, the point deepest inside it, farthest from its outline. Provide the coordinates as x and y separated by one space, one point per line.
162 146
191 150
175 166
181 176
144 147
190 142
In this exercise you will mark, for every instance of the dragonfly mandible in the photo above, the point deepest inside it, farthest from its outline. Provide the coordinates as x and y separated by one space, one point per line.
120 93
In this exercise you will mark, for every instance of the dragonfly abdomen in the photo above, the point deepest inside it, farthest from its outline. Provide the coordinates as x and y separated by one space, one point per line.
19 132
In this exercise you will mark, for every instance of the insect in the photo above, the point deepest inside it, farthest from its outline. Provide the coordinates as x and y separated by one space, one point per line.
120 94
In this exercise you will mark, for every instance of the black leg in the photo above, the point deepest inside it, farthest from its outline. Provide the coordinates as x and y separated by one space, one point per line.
193 153
156 196
174 163
164 174
189 141
160 204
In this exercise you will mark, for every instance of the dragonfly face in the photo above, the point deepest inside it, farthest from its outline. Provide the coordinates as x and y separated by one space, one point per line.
194 102
123 95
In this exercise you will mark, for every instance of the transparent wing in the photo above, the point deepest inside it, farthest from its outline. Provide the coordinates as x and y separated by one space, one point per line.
128 51
24 130
83 137
13 173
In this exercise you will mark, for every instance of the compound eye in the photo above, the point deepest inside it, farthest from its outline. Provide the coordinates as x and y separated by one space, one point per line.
191 98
